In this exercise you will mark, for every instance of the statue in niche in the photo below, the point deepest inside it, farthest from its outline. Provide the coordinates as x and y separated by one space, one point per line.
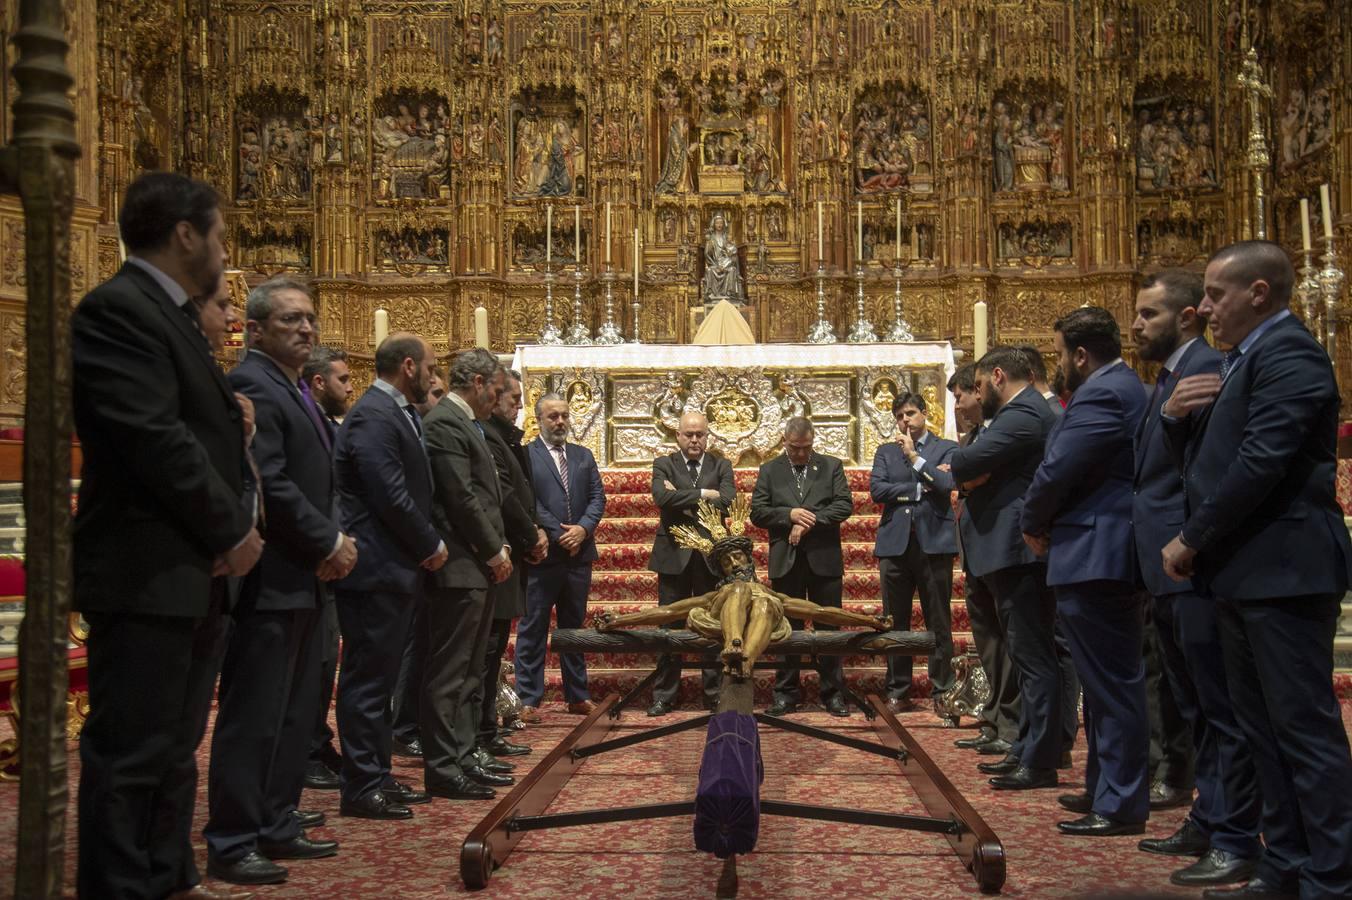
722 277
333 140
666 220
549 158
493 41
793 403
1306 124
774 223
675 177
356 140
1002 148
1173 146
411 152
760 162
892 138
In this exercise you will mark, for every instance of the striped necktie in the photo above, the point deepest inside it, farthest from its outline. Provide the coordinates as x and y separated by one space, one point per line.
561 460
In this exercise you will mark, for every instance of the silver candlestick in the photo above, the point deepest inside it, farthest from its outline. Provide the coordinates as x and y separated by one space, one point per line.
900 332
579 335
1331 286
1308 293
550 334
822 331
861 332
636 309
609 333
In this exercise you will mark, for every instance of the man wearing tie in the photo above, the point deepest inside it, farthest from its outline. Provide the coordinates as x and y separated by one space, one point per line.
801 498
1263 538
1222 826
569 501
1077 512
384 488
680 481
917 540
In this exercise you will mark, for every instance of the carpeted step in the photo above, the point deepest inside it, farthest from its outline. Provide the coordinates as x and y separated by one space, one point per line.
639 480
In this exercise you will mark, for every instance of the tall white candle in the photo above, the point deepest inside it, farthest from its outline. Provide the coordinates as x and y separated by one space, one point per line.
549 233
915 241
577 235
1305 223
1328 213
480 327
897 254
607 231
859 230
819 231
979 329
635 262
382 326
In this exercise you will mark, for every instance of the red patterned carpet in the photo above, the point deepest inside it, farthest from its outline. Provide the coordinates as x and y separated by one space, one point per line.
419 858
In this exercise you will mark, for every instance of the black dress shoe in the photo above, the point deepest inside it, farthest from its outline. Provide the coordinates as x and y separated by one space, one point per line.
299 847
319 777
1256 887
1000 767
659 708
1188 840
838 709
255 868
1166 796
375 805
1095 825
410 750
460 787
500 746
480 775
781 708
308 819
1064 762
972 743
490 763
1024 779
406 794
994 747
1076 803
897 705
1215 867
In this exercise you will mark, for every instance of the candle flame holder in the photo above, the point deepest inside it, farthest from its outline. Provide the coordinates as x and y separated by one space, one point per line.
822 331
579 335
609 333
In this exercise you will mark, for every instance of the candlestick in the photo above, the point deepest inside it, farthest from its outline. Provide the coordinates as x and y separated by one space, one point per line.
821 332
549 233
1308 291
1305 224
1331 286
819 232
862 331
382 326
480 327
578 335
607 231
1328 213
609 333
550 334
900 332
859 230
635 262
634 301
577 235
979 326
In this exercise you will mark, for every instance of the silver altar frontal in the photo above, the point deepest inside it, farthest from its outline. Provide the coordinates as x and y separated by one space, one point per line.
626 401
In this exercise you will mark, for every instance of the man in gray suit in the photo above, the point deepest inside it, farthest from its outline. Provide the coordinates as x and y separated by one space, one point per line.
680 481
801 497
467 512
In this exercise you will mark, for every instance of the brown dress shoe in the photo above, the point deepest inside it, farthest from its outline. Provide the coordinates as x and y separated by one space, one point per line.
202 892
530 715
581 708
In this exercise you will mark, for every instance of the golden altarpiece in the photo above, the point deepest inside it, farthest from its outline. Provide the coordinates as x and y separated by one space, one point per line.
1035 155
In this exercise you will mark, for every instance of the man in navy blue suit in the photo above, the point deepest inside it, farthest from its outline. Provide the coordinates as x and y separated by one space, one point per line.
916 540
569 512
1078 512
384 485
1222 826
993 471
1264 538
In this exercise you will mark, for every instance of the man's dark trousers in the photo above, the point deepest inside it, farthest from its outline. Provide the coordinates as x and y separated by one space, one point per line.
824 590
694 580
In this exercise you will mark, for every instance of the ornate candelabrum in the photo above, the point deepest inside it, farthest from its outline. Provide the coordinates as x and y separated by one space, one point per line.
550 334
1331 286
1308 293
609 333
822 331
579 335
861 332
900 332
635 308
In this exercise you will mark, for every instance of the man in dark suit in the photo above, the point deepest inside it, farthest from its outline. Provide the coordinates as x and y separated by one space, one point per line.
1077 512
994 470
529 545
680 481
384 489
162 510
569 501
917 540
1264 538
467 511
801 498
1222 826
999 719
271 676
1038 366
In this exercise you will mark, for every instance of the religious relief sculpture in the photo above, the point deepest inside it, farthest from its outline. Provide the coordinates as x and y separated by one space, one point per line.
409 248
1306 122
1028 142
675 176
1034 241
411 139
277 149
1174 145
528 244
892 140
549 156
722 272
270 250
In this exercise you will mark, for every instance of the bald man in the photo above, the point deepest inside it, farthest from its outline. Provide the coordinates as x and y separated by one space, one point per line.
680 481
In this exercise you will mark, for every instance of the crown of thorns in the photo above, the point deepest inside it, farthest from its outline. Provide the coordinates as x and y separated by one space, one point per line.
720 539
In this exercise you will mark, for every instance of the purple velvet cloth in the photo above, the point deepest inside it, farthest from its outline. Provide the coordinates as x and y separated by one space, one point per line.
727 803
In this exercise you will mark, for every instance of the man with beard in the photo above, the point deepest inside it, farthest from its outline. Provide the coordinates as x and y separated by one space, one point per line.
1222 826
384 497
994 470
163 510
1077 512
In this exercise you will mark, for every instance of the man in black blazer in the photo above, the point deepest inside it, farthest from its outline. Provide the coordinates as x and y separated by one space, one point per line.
467 511
162 510
271 676
680 481
917 540
801 498
384 489
1263 537
994 470
529 545
1222 825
